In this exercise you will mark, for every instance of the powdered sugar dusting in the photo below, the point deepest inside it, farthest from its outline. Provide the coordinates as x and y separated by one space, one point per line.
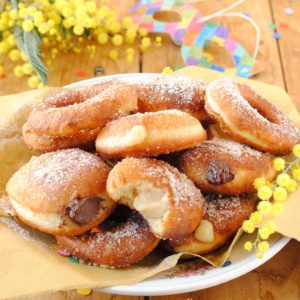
229 147
221 210
52 170
231 94
127 241
174 91
5 207
184 191
26 234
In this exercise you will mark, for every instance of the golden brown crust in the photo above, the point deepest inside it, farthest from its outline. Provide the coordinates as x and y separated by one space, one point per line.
43 143
150 134
164 92
117 244
85 109
185 202
226 214
224 167
249 118
41 190
214 131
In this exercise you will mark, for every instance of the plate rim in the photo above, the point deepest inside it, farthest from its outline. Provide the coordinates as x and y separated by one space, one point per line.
240 269
234 271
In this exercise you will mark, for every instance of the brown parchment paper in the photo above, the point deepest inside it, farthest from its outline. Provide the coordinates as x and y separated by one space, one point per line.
29 264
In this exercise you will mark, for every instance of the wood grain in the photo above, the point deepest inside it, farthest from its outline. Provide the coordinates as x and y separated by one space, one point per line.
279 278
289 46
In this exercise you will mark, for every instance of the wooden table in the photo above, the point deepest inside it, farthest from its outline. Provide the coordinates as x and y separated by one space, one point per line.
280 277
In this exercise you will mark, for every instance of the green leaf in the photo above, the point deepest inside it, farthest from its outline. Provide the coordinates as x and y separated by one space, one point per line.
19 35
29 43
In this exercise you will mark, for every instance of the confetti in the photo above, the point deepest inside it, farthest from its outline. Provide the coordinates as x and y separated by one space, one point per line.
74 260
177 68
209 56
226 263
64 253
98 71
193 35
276 35
84 291
283 25
272 26
80 73
288 11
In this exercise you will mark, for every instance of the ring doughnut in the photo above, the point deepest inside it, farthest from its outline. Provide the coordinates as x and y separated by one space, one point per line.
167 199
43 143
89 108
116 244
150 134
222 219
164 92
47 195
249 118
224 167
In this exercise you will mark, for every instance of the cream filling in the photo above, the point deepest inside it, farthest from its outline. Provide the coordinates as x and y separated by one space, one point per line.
50 221
211 102
205 232
134 136
151 202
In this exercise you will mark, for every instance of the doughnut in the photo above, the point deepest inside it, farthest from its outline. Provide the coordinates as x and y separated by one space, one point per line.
150 134
62 192
225 167
249 118
222 219
72 111
164 92
214 131
115 244
43 143
167 199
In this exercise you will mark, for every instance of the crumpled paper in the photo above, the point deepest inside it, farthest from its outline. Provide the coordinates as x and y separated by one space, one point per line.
29 263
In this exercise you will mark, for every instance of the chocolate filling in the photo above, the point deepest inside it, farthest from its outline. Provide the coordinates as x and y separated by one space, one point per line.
219 173
82 211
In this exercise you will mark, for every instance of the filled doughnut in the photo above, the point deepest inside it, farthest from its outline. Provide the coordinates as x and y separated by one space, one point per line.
222 219
164 92
249 118
115 243
62 192
167 199
224 167
43 143
86 109
214 131
150 134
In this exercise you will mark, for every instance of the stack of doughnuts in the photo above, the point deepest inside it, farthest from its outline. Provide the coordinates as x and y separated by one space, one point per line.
123 168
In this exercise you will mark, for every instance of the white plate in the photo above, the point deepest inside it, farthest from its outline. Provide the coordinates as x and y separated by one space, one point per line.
195 275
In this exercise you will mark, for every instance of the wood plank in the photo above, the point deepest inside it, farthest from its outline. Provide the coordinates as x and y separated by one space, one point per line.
277 279
289 44
75 296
